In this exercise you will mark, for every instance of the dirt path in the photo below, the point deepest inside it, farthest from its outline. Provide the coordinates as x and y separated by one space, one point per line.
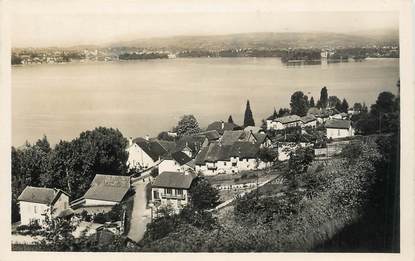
140 216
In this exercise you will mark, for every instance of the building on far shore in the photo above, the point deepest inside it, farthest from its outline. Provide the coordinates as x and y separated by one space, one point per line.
37 203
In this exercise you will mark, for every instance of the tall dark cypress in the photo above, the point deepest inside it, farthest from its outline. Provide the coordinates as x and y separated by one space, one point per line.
230 120
249 119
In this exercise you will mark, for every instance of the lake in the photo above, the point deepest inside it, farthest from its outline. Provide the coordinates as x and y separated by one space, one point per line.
146 97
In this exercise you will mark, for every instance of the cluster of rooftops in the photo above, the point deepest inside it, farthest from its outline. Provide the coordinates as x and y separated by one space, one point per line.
331 117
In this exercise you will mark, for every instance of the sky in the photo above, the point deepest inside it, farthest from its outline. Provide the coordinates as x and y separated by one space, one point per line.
67 23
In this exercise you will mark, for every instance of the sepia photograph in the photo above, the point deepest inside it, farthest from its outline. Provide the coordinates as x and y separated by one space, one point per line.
166 126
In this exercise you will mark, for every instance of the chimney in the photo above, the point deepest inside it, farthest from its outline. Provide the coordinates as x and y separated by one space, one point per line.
223 125
147 137
130 141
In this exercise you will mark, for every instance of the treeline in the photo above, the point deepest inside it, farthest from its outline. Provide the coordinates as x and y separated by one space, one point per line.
301 54
231 53
142 56
383 117
70 165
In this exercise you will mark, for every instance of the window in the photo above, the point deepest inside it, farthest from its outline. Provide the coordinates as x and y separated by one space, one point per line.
224 163
179 191
168 191
338 132
155 194
34 209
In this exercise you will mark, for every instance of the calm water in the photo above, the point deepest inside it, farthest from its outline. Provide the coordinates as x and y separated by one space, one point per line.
146 97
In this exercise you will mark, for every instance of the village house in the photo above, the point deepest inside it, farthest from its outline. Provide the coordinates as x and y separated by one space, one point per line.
144 153
176 161
340 116
191 144
260 139
283 122
210 137
221 127
309 121
172 188
37 203
104 192
218 158
339 128
321 114
254 129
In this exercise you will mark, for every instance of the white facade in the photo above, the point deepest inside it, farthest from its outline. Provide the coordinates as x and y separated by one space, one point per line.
37 212
138 158
276 125
175 197
172 165
339 133
233 166
312 124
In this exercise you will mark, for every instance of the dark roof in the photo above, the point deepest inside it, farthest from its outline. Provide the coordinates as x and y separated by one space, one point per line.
217 126
337 124
108 187
244 150
169 146
152 148
254 129
200 157
169 179
260 137
230 137
40 195
308 118
181 157
321 113
288 119
194 142
218 152
211 135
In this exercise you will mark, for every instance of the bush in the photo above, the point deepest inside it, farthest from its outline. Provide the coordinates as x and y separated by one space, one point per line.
101 218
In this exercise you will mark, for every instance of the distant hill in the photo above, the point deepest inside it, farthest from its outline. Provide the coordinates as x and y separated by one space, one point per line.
264 40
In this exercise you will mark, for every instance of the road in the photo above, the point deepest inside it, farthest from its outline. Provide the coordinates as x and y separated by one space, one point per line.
140 216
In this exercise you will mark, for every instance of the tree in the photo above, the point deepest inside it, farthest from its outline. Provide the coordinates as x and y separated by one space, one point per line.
312 102
357 107
165 136
344 106
334 102
230 120
300 159
74 164
187 125
202 194
283 112
385 103
266 155
275 114
299 104
248 119
323 98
